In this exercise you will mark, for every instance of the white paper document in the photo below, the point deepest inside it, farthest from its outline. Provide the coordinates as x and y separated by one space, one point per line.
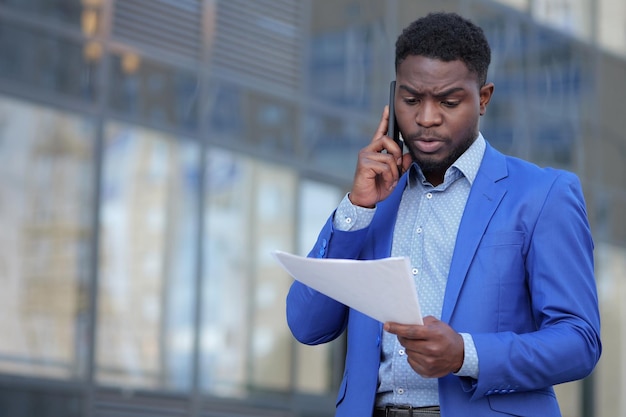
382 289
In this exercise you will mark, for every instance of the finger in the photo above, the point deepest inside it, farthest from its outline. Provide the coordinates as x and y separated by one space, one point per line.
383 150
383 125
381 142
427 371
408 331
381 169
386 146
373 156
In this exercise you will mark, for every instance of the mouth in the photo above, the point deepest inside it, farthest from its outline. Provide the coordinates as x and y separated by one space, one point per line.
428 145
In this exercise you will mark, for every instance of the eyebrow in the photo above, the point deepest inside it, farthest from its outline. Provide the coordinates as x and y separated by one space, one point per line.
443 93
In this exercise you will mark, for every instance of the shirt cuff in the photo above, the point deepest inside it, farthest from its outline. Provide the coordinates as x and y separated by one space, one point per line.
470 359
349 217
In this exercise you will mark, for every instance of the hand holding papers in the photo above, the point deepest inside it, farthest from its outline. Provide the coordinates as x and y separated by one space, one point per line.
382 289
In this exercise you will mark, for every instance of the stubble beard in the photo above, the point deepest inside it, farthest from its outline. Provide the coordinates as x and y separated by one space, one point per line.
429 164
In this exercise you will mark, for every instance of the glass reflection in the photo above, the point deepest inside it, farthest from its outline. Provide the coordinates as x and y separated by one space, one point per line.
249 212
45 208
147 262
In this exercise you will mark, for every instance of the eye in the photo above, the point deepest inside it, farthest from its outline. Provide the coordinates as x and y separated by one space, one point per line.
450 103
410 100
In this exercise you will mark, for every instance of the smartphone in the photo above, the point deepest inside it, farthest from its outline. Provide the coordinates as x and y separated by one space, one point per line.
392 130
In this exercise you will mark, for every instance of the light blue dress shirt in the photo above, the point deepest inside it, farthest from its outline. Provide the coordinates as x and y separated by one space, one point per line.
425 231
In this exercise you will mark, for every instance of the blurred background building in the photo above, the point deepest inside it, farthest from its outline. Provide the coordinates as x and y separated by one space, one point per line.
154 152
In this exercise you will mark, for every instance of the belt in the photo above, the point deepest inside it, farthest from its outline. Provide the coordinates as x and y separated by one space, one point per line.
406 411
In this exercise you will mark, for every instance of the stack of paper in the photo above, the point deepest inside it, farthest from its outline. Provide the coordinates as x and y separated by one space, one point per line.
382 289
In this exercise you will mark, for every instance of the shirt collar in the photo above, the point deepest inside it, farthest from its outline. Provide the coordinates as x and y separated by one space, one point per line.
467 164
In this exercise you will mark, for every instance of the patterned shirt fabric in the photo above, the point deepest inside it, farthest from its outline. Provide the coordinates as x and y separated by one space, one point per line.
425 231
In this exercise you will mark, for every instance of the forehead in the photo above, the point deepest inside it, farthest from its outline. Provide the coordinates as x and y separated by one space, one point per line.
422 72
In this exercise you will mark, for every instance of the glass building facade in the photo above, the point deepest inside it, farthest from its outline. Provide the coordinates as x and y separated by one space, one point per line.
154 152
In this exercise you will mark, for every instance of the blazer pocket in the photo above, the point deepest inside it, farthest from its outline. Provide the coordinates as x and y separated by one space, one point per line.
507 238
525 404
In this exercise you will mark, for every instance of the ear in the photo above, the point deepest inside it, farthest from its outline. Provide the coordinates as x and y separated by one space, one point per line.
486 91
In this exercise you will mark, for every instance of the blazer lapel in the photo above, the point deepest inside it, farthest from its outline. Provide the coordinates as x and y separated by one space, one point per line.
482 203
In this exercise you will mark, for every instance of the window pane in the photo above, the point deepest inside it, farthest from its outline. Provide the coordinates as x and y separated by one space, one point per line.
274 217
250 210
570 16
270 122
318 368
611 25
254 119
149 223
610 380
45 218
226 102
332 143
542 81
38 59
153 93
351 52
61 11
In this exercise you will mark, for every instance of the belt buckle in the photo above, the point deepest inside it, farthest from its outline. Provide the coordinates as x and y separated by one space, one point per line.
408 408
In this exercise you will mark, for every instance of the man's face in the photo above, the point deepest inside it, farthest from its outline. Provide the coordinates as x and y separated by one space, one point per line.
438 106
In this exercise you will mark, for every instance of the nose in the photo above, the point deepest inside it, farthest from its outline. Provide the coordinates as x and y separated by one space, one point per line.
428 114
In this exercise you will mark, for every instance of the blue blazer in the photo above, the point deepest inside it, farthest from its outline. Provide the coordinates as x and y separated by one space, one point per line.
521 282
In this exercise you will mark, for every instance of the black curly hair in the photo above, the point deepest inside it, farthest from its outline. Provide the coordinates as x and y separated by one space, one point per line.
447 37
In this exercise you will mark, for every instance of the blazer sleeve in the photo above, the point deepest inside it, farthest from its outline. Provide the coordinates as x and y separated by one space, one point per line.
313 317
560 277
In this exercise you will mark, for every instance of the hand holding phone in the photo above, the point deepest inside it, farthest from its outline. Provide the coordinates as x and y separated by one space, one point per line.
367 189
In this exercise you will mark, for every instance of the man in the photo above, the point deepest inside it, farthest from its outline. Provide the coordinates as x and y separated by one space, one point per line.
500 249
